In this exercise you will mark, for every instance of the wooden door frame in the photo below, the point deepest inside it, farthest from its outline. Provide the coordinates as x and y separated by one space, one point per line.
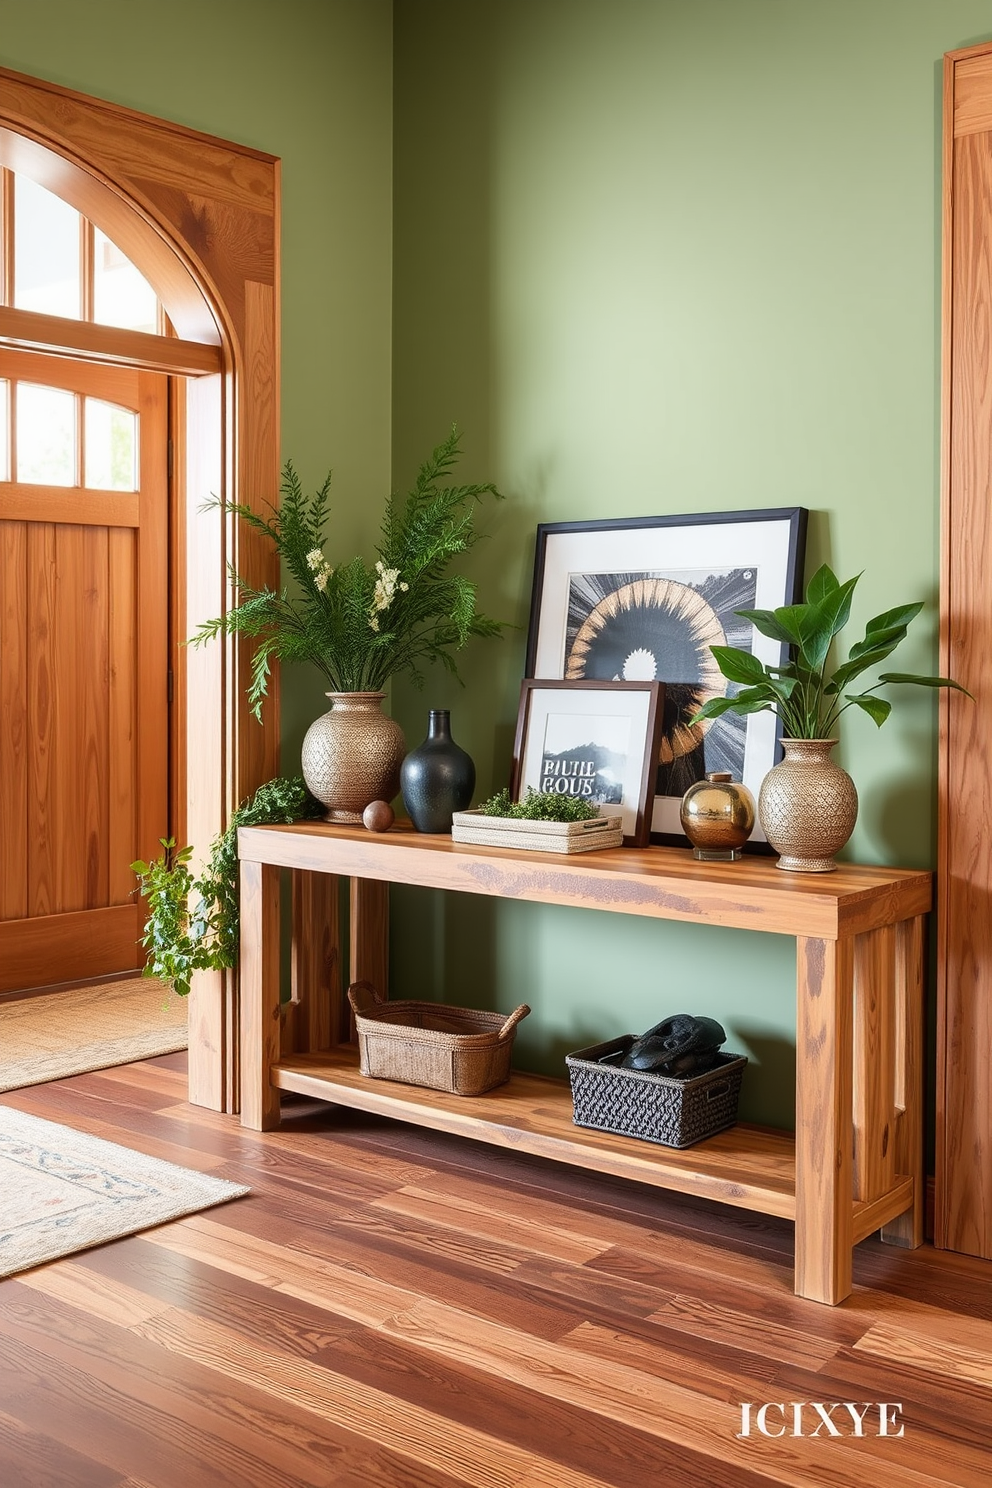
200 218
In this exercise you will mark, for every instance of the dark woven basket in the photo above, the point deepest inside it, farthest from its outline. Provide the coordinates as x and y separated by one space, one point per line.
465 1051
656 1108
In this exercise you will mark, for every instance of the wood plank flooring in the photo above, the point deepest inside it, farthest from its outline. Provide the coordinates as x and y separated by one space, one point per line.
397 1308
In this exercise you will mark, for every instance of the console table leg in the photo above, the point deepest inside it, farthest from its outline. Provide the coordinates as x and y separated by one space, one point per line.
824 1124
370 932
316 963
259 981
908 1229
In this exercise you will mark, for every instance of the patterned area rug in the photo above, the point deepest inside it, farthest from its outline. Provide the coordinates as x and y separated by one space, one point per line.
57 1034
62 1191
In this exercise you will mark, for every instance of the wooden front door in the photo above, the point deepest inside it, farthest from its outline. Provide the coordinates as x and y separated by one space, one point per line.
83 662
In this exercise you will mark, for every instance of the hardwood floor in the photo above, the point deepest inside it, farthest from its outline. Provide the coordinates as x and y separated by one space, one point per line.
394 1308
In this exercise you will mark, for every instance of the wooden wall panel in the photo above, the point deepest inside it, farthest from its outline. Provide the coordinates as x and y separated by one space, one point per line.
41 720
13 701
963 1218
94 736
122 800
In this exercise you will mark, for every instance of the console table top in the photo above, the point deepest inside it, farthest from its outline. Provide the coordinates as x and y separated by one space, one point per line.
660 882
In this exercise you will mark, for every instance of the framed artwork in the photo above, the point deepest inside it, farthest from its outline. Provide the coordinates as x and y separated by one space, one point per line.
594 741
643 599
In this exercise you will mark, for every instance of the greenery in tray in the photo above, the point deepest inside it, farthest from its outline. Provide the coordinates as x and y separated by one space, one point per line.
360 623
806 693
180 940
539 806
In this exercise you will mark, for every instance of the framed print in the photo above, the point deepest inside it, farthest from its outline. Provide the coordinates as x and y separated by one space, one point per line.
643 599
595 741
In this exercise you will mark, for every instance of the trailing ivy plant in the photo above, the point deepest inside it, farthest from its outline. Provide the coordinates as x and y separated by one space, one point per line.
539 806
180 940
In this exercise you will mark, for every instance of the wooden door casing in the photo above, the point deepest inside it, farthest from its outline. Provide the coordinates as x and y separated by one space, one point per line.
83 696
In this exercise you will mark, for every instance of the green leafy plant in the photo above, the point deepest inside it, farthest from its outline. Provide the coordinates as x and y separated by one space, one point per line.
539 806
180 940
359 624
807 695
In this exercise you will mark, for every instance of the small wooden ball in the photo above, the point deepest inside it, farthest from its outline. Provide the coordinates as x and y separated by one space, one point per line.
378 816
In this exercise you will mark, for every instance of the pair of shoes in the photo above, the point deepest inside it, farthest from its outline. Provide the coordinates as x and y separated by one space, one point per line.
681 1046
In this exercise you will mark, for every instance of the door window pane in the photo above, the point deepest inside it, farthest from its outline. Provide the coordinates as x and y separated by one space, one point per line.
111 447
4 430
46 435
46 252
121 296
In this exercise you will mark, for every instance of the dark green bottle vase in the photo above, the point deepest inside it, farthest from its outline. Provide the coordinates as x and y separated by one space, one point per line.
437 778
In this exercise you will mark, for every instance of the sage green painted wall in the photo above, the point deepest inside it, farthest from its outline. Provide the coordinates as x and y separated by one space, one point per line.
664 256
311 82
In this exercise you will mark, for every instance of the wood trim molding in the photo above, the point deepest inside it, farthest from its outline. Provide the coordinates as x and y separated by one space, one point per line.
200 219
24 330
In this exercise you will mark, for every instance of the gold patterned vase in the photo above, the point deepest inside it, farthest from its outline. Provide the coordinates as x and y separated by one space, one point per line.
352 755
807 806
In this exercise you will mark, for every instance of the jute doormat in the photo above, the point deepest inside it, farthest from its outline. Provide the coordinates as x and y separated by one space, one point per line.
64 1191
54 1035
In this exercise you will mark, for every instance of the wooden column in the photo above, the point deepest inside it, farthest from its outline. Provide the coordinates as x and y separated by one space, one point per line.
963 1219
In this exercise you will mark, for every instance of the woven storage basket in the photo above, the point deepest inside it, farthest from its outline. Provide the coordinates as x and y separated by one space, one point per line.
656 1108
461 1050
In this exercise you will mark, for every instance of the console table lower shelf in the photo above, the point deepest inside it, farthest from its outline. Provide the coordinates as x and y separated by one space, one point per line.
748 1166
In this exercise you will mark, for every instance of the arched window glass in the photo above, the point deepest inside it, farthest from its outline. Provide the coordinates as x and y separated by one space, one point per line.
121 296
46 435
56 262
47 252
4 430
111 447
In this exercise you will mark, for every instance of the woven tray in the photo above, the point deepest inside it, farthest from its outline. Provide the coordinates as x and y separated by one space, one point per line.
655 1108
537 836
462 1050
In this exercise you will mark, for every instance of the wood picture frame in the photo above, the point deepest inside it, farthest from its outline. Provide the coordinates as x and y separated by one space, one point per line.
644 598
596 741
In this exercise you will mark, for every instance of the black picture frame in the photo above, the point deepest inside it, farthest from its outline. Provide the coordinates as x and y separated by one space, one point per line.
603 740
643 598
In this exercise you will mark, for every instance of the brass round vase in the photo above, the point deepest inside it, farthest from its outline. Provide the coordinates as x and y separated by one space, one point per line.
352 755
807 806
717 816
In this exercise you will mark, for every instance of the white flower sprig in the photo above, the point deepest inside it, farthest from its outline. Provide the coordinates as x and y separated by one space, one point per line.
386 586
320 568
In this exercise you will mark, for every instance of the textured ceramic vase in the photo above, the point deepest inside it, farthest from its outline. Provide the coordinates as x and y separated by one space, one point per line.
437 777
352 755
807 806
717 816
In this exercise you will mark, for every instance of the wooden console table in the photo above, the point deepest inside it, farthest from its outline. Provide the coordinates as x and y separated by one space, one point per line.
856 1163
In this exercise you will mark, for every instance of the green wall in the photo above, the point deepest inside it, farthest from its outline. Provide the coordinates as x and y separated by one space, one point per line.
311 82
664 256
654 256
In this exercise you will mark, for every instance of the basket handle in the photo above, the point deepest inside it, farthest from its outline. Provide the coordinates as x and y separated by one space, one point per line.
515 1017
364 997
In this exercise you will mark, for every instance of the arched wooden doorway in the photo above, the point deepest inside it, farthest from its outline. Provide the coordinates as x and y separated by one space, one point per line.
199 218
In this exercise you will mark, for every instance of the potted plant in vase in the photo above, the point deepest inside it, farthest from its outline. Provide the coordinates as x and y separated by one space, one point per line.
359 623
807 804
